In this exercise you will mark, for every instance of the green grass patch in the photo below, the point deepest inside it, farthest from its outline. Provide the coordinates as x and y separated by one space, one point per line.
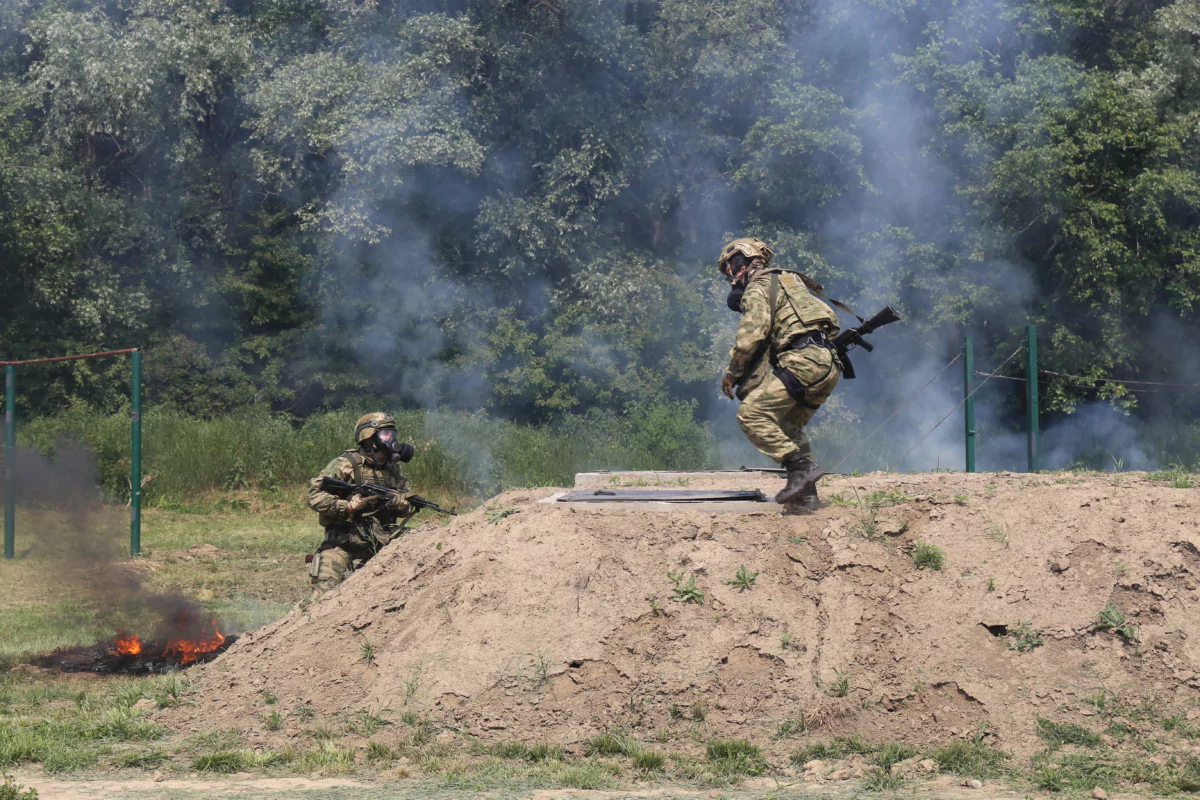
10 790
611 743
971 759
879 779
735 757
224 761
65 728
890 753
649 760
1080 772
1056 734
497 774
833 750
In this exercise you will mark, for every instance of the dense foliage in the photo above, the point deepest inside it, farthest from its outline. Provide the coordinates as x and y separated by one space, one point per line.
515 205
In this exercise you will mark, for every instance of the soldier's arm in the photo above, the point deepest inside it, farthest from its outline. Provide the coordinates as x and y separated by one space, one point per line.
399 502
753 331
324 502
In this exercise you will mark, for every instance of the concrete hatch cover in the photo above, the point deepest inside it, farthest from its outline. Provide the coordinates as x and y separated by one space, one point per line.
659 496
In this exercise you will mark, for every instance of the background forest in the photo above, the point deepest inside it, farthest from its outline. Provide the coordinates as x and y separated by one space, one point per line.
515 207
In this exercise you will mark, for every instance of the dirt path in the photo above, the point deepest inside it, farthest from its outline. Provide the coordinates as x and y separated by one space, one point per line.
346 789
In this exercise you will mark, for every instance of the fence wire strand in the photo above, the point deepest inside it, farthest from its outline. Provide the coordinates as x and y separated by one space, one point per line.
962 402
902 406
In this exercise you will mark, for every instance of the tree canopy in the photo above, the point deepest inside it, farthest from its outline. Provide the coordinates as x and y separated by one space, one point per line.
516 205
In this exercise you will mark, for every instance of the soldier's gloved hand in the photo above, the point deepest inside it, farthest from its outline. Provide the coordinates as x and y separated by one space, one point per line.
398 504
356 503
727 384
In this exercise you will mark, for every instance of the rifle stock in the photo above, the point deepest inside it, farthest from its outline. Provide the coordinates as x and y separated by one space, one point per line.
853 337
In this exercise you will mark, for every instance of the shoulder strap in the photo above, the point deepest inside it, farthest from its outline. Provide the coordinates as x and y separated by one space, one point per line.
356 461
819 291
773 297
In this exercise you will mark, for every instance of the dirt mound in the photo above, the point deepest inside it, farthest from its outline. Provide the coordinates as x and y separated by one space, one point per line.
540 621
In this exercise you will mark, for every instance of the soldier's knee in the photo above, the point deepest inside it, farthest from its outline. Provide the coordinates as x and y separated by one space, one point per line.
328 569
748 414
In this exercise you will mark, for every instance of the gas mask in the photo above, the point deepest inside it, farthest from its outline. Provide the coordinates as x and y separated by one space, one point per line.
737 282
387 444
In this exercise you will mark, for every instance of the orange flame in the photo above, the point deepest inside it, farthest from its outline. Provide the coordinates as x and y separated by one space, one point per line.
127 644
188 651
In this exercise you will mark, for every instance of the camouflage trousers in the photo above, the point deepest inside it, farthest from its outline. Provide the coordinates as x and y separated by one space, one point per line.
772 419
332 566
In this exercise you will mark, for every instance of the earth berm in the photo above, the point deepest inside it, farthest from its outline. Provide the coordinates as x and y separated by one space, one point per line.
553 622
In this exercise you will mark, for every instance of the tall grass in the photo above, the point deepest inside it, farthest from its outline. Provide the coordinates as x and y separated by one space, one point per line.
457 453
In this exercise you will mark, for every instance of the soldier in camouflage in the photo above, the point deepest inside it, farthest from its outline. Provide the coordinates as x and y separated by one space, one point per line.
357 527
783 365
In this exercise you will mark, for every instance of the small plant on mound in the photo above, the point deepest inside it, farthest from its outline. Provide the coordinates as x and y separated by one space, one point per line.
273 721
495 515
1111 619
685 592
927 556
1024 638
1057 734
649 761
735 757
366 651
840 687
792 726
743 580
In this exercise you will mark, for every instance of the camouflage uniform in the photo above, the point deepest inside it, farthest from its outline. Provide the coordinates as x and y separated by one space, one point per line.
352 540
769 415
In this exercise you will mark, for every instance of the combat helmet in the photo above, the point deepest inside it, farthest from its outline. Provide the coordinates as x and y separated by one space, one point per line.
749 247
366 426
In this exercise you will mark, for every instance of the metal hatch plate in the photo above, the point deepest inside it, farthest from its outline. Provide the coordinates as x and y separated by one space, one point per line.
661 496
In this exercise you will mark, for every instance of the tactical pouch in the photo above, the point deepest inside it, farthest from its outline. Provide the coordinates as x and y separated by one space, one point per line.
314 564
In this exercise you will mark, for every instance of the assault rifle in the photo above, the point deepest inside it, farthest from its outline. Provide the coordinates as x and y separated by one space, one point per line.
344 489
853 337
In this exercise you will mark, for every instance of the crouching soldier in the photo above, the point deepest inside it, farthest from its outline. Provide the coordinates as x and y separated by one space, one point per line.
784 364
356 527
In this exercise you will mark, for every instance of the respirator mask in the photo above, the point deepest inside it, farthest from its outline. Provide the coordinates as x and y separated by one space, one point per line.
389 445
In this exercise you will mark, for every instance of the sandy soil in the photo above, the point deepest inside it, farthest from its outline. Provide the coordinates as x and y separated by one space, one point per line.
557 622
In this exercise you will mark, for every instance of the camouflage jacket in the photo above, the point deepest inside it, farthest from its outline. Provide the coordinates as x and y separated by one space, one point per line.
372 526
763 329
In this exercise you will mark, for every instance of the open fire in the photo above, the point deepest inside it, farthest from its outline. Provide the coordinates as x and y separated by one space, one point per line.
183 640
183 650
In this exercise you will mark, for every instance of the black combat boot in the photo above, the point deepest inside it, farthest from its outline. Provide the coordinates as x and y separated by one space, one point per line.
802 474
808 497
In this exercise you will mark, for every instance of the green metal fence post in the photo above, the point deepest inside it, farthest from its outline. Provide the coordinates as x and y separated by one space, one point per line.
1031 394
135 476
10 457
968 375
